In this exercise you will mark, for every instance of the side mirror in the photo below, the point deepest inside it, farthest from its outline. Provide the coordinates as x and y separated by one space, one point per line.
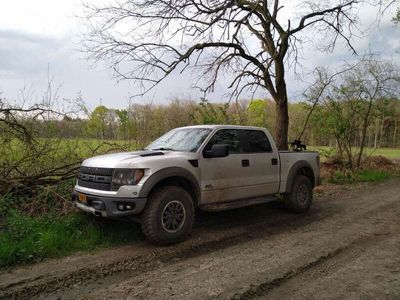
217 150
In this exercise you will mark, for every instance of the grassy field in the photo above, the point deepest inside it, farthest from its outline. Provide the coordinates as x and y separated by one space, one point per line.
392 153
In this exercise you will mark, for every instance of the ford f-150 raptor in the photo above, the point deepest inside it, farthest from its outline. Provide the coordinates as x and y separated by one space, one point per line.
209 167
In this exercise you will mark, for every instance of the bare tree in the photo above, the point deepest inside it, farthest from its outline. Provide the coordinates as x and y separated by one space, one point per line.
252 40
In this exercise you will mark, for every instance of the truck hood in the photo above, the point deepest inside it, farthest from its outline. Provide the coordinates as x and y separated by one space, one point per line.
129 159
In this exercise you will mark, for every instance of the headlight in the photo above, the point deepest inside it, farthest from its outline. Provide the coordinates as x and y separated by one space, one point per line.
126 177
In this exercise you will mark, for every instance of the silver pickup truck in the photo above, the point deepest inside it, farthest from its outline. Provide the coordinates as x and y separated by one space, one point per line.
210 167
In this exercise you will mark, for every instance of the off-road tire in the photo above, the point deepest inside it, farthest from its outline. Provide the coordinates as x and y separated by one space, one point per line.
300 198
152 224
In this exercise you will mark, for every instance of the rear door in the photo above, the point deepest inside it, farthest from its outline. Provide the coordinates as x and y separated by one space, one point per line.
263 170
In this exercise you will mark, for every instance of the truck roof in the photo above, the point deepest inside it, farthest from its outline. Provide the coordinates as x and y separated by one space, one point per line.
214 126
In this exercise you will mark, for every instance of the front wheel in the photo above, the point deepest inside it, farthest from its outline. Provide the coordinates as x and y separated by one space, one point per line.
169 216
300 198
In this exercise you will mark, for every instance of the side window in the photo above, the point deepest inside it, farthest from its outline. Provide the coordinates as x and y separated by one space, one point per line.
230 137
257 141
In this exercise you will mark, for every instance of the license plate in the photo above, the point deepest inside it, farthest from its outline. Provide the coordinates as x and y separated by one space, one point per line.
82 198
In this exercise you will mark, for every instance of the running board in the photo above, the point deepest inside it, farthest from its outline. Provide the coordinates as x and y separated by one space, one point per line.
237 203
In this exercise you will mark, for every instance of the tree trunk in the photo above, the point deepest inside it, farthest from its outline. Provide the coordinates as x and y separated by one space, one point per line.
364 133
381 132
376 133
395 134
282 124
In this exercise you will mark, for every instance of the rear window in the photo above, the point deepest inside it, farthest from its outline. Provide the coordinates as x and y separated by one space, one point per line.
257 141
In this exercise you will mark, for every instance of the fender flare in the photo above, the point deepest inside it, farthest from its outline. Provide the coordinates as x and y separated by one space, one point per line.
293 171
160 175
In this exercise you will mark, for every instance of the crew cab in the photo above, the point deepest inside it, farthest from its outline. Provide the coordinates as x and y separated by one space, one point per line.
209 167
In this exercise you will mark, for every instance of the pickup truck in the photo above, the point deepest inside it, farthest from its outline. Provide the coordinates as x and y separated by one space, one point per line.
208 167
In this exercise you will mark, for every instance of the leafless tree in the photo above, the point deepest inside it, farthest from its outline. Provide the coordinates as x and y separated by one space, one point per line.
252 40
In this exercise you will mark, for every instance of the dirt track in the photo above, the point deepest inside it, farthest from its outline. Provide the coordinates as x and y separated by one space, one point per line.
347 246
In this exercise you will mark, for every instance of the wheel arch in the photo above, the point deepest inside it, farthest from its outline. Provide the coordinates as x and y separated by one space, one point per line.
173 176
301 167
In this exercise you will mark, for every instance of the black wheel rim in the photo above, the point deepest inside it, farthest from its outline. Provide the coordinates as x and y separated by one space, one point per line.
173 216
303 195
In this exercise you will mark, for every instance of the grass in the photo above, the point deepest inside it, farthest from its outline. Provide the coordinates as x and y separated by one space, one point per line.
42 224
32 238
346 177
387 152
373 175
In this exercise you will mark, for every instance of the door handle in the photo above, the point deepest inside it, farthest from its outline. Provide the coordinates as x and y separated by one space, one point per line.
245 163
274 161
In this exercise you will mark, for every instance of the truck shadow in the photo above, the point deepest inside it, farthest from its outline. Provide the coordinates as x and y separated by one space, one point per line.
272 214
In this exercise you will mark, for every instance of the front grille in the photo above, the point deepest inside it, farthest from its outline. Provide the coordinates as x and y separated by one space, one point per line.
96 171
95 178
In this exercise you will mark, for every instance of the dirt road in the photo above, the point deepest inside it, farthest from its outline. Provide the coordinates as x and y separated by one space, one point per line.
347 246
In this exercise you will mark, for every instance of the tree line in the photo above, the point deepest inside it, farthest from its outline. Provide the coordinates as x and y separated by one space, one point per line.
141 123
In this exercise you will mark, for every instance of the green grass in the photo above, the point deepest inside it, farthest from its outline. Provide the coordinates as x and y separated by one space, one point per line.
27 239
387 152
346 177
373 175
41 224
60 150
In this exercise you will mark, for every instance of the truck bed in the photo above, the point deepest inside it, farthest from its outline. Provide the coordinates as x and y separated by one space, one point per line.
289 158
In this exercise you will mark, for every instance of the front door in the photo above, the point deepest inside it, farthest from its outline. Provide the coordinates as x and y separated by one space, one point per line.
250 170
223 178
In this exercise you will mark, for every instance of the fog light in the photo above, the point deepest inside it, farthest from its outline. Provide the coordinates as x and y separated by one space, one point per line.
98 205
129 207
121 206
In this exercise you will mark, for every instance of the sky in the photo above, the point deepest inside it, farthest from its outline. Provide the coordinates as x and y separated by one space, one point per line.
42 37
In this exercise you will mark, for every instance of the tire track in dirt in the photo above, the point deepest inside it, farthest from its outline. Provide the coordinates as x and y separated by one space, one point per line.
210 236
26 289
321 265
357 221
369 269
263 288
242 228
147 262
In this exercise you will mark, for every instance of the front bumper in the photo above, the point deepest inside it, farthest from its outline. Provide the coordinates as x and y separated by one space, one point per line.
108 206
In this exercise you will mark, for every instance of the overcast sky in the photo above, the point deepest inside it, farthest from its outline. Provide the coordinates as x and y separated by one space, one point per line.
37 36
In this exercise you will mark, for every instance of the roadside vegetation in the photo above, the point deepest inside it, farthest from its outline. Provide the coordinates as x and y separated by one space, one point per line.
33 238
376 169
45 224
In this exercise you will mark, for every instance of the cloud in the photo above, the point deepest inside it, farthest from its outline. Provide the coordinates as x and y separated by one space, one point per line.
23 54
25 57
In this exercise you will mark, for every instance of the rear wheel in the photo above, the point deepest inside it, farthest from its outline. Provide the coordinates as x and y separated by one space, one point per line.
300 198
169 216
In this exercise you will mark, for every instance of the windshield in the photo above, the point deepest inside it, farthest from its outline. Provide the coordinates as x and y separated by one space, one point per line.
183 139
